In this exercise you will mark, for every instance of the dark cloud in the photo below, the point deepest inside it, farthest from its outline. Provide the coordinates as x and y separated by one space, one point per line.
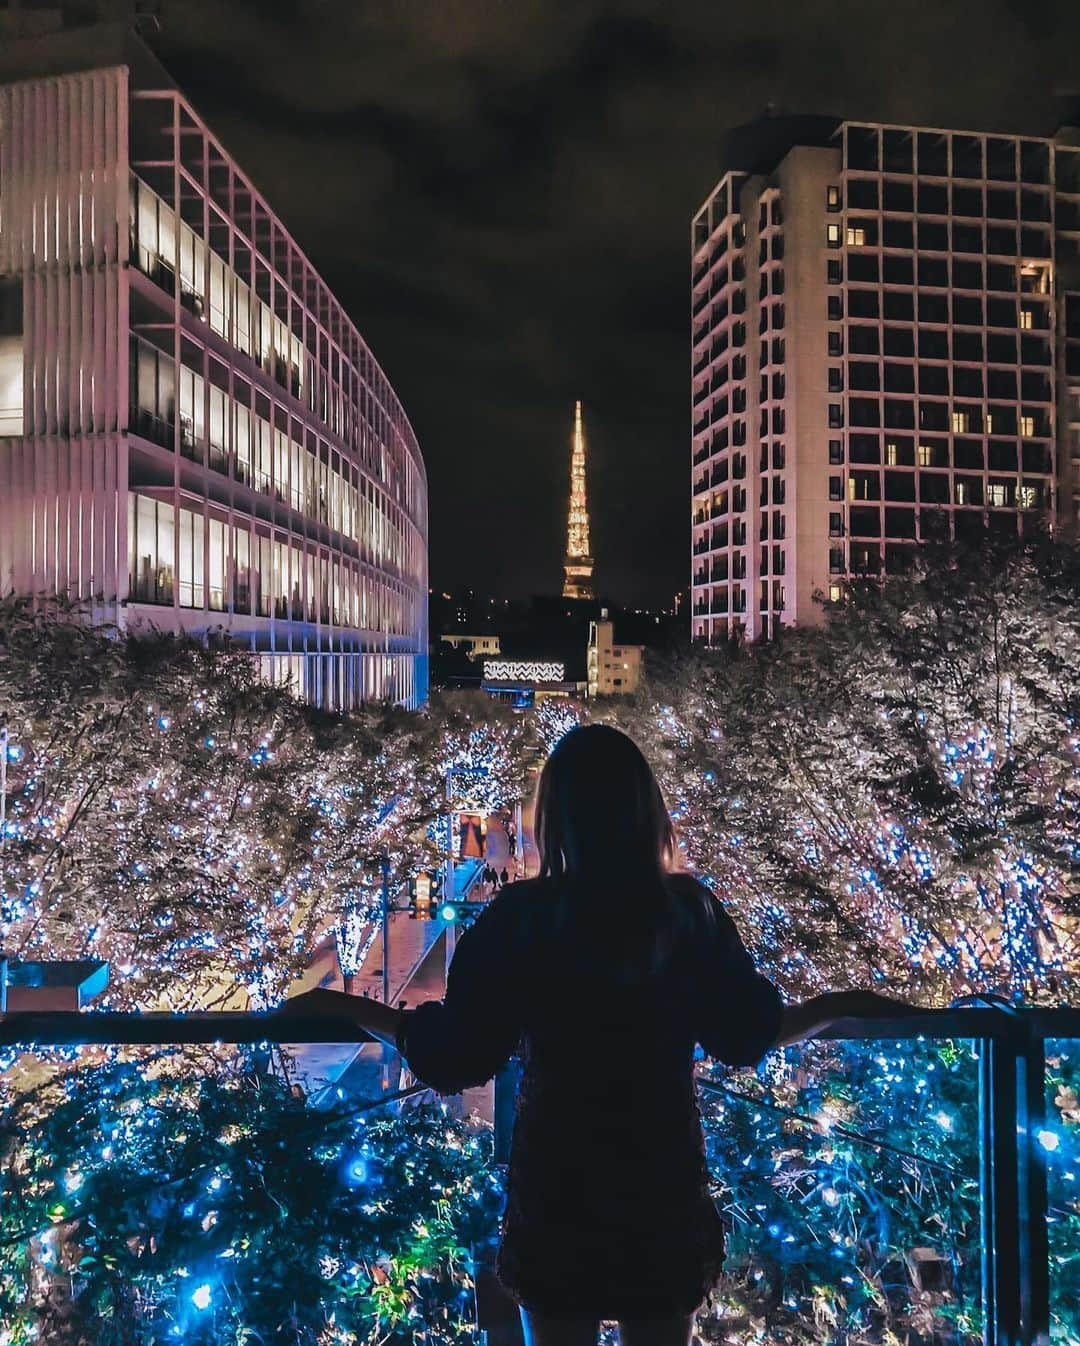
500 192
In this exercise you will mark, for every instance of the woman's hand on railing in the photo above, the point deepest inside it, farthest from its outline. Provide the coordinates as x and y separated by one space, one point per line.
372 1016
319 1001
809 1017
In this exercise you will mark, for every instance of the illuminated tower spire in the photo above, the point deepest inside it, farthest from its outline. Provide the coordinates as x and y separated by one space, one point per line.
579 563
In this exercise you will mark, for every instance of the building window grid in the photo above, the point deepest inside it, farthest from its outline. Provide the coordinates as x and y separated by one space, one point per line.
1024 319
717 597
323 484
376 428
881 287
392 538
772 385
226 561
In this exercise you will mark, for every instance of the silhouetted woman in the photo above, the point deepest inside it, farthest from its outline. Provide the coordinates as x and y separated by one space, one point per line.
604 972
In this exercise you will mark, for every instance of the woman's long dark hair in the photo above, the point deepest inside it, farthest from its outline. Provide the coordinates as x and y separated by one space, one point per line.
602 829
599 809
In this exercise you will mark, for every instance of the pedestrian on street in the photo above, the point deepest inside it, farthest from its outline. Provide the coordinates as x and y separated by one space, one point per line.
613 1220
504 877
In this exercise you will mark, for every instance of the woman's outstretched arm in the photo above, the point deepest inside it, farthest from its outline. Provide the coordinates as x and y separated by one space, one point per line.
806 1018
356 1012
461 1040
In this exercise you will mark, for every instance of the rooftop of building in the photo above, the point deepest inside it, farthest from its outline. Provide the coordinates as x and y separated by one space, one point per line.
757 147
39 50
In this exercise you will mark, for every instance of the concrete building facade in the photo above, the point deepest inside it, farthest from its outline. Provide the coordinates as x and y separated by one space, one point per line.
193 434
475 647
612 670
886 350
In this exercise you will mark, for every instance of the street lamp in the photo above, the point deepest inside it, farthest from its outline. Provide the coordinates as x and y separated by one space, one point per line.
385 929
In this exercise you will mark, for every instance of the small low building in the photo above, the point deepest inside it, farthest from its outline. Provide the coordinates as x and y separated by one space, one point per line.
474 647
524 682
613 670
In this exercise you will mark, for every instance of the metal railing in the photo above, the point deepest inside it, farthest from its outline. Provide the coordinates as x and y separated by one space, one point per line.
1012 1163
1011 1051
1010 1047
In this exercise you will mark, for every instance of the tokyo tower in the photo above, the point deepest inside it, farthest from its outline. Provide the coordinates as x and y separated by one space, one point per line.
578 566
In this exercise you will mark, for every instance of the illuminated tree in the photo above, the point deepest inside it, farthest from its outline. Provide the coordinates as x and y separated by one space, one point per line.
201 830
482 749
892 796
159 811
163 1201
553 718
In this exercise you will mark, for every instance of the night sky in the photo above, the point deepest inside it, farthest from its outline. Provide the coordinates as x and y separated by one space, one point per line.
500 194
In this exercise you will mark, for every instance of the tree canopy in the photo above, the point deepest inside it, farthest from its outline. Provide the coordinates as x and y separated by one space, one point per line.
892 795
202 830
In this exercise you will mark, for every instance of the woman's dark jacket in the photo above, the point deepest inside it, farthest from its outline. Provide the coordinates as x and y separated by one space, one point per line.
608 1210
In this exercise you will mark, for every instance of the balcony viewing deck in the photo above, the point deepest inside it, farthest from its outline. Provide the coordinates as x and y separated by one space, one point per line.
175 1169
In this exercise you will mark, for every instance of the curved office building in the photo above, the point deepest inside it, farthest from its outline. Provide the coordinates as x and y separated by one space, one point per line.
193 435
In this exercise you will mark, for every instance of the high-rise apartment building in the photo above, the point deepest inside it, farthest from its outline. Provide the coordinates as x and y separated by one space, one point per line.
886 350
193 435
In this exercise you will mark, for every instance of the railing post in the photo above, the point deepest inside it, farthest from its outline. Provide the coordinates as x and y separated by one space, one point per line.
506 1087
1034 1213
999 1204
1012 1180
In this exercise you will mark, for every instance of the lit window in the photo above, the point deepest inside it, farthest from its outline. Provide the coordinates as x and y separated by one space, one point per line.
832 235
925 454
856 236
1027 426
851 489
961 493
961 421
890 454
835 593
832 198
1027 497
989 423
1026 319
11 372
996 494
